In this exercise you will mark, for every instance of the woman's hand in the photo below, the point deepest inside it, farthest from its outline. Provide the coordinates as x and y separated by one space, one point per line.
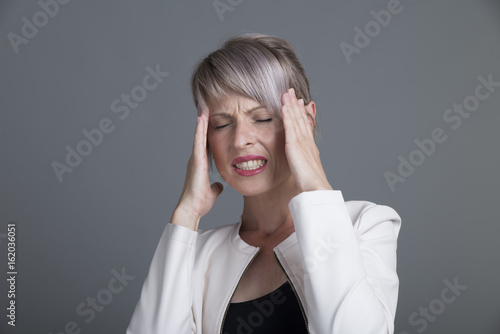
300 148
198 195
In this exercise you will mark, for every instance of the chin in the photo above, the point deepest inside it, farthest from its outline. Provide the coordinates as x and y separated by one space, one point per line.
250 188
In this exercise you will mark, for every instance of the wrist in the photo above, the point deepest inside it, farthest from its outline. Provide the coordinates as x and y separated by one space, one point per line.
185 217
319 186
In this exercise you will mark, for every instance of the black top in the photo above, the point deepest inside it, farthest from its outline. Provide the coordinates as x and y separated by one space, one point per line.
277 312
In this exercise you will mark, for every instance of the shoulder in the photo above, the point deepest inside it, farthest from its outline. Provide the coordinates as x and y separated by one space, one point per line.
370 217
365 216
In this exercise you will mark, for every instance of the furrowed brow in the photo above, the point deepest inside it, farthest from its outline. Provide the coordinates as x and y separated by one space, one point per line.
225 114
253 109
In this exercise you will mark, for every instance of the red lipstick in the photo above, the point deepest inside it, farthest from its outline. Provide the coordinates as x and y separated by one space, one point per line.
248 158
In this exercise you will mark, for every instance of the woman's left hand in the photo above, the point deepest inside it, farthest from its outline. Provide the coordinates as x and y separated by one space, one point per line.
300 148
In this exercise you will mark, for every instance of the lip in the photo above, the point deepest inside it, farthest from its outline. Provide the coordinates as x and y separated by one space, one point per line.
247 158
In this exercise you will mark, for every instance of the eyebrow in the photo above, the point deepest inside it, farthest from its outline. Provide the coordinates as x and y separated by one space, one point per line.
249 111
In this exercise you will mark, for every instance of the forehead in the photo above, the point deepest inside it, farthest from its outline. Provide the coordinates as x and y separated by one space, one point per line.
234 103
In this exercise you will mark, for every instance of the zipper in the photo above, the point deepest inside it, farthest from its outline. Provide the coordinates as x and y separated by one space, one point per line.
294 291
227 306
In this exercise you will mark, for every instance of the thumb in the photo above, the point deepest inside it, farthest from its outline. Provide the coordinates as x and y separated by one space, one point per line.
217 188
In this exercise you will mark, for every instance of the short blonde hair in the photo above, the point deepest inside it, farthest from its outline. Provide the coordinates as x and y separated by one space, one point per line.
257 66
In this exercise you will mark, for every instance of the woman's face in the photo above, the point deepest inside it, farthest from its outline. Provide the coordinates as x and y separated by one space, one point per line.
248 145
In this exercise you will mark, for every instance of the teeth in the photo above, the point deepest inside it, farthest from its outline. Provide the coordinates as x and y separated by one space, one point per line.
249 165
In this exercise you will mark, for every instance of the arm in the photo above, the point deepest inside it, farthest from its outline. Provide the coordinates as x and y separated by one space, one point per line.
165 305
354 286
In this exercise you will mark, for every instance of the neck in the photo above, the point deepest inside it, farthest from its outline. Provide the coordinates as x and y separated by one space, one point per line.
267 214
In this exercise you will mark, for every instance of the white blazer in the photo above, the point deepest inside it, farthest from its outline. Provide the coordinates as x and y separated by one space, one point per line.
340 261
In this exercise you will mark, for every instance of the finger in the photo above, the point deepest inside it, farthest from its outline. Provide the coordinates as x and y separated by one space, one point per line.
196 140
288 123
205 127
297 120
201 129
308 120
291 115
199 144
301 116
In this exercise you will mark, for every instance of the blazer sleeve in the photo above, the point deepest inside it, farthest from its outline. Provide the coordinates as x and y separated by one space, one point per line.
165 304
353 285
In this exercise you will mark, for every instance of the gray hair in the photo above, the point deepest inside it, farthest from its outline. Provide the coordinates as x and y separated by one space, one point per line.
257 66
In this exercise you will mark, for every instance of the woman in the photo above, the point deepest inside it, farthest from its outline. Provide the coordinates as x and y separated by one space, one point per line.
300 259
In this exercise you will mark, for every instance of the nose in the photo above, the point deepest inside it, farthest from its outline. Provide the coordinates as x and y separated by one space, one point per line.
244 135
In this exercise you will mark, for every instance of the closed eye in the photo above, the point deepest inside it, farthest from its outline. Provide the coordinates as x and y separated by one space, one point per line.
258 121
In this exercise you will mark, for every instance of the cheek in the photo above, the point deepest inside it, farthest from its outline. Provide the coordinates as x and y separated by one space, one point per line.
276 138
275 143
279 147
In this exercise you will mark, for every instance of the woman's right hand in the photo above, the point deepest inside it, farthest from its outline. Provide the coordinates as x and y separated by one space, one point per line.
198 195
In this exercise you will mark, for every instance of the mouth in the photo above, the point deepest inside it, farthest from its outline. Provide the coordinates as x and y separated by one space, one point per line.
251 164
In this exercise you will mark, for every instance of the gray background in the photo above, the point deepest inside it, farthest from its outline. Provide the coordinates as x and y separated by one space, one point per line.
110 211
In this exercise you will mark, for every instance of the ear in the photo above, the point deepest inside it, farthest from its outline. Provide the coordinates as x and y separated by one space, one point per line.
311 110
